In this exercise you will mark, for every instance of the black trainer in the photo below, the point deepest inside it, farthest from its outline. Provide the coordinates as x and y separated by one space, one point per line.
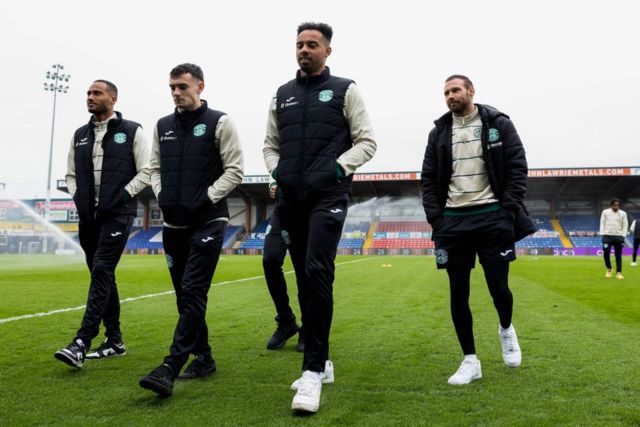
283 332
199 367
300 345
108 348
160 380
73 354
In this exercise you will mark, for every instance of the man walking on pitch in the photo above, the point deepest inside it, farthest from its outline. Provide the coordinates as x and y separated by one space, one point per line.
613 229
196 161
474 178
273 254
318 134
107 167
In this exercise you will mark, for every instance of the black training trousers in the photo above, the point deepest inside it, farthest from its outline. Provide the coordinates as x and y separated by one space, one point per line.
192 256
458 239
273 254
314 226
616 243
103 241
636 244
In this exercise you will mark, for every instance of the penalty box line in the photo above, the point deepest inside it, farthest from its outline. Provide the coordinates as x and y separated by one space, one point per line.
122 301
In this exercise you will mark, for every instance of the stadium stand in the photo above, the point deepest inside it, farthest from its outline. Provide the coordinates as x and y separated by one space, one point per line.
145 239
151 239
545 237
397 234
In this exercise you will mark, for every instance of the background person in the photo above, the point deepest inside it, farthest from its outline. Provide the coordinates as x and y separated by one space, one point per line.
613 229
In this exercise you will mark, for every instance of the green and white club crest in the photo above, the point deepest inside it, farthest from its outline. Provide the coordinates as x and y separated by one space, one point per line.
477 132
200 129
494 135
325 95
120 138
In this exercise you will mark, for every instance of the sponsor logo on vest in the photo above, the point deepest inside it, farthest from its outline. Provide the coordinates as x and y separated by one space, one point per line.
168 132
200 129
494 135
441 256
507 252
120 138
325 95
83 141
335 210
208 239
289 102
168 138
116 234
495 145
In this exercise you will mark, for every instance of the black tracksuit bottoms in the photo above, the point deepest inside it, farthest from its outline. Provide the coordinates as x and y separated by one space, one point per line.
458 239
192 256
273 254
103 241
314 226
615 242
636 245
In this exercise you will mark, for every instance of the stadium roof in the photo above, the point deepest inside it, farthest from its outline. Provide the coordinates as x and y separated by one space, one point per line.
547 184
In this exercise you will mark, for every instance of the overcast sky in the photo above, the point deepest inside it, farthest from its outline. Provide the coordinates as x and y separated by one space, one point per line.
567 72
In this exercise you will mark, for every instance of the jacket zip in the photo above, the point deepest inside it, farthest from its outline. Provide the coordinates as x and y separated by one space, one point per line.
304 134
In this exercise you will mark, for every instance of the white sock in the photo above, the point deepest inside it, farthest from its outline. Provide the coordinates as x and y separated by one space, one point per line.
471 357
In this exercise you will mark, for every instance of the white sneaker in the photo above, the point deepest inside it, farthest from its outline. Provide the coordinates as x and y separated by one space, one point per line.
510 348
468 371
326 377
634 264
307 398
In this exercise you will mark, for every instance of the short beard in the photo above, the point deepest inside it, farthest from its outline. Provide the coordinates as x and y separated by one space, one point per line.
97 110
459 108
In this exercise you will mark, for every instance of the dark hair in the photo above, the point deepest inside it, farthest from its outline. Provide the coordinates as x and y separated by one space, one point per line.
467 81
615 201
111 88
325 29
187 68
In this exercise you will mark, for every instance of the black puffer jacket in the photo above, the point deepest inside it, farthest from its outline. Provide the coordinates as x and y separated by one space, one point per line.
504 159
313 133
190 163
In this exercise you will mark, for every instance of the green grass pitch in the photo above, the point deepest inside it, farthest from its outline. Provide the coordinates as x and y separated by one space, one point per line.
392 343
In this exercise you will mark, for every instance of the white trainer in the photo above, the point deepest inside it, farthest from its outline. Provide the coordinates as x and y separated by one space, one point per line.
510 348
307 398
326 377
468 371
634 264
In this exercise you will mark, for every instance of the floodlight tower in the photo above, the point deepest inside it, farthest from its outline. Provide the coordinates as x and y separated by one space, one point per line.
55 82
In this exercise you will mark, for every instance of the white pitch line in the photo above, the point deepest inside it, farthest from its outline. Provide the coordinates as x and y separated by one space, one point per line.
81 307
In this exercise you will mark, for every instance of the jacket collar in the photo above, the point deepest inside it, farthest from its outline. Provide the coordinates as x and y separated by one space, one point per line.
487 114
112 122
187 118
318 78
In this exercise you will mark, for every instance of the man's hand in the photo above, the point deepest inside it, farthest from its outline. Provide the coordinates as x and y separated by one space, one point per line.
272 190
